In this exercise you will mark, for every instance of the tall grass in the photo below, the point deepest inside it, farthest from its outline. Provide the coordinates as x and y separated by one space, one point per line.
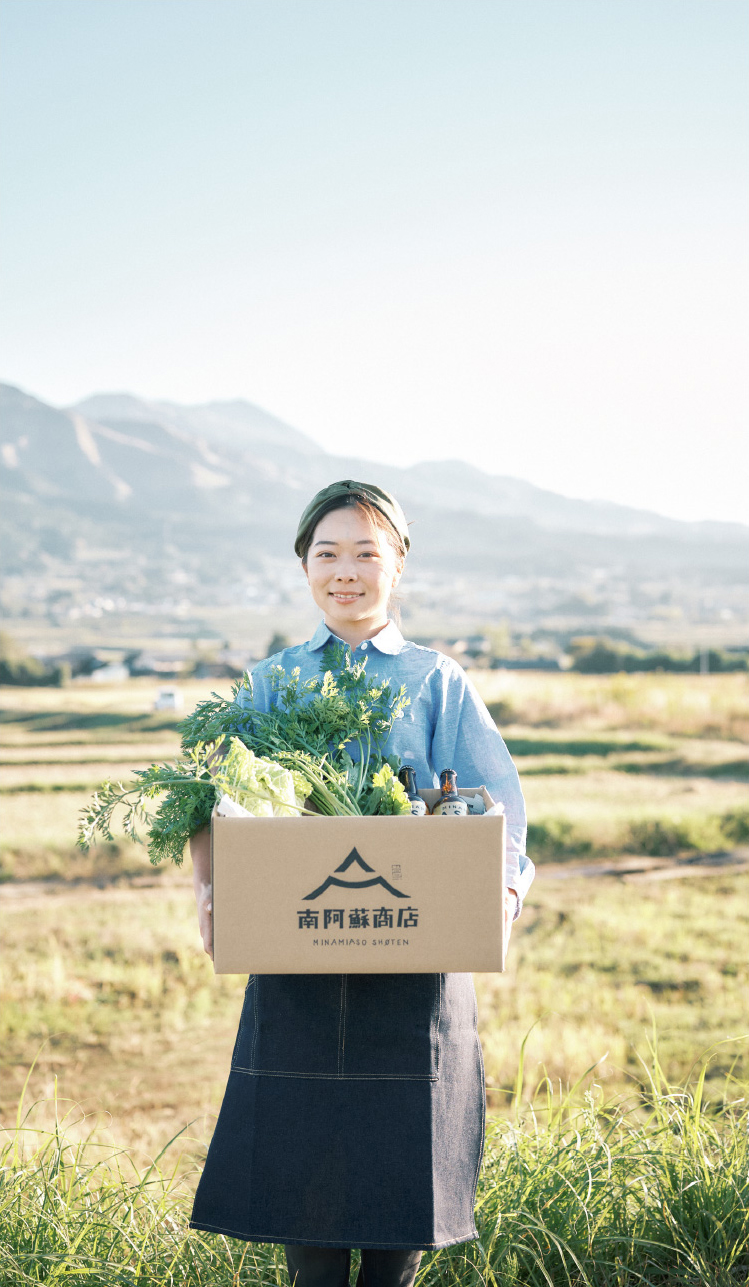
607 1193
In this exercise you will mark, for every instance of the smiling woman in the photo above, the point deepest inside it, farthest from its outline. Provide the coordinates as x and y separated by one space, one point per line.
353 549
354 1111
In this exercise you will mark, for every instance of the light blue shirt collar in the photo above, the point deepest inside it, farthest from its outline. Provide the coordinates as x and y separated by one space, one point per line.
388 641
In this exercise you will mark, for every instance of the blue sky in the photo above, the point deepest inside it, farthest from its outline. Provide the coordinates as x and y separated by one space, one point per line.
512 231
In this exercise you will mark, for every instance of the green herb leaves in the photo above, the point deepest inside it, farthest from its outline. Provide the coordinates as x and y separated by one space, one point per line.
330 730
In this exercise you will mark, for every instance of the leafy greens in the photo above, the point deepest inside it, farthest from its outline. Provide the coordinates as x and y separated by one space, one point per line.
263 787
329 731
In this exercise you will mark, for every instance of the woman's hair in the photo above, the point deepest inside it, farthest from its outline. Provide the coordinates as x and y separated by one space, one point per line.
378 520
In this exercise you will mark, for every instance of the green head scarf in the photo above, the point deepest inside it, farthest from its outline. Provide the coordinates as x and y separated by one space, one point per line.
382 501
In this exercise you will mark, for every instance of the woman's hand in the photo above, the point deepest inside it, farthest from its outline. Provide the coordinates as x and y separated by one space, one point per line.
511 902
200 851
205 917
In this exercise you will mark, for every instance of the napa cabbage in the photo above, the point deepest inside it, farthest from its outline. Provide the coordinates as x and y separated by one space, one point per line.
263 787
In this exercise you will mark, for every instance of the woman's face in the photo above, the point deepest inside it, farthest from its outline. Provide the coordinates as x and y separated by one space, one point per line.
351 568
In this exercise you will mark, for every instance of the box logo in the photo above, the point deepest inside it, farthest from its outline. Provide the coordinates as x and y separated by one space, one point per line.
354 858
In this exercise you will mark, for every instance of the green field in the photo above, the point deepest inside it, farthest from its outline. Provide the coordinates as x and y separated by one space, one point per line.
135 1024
651 764
604 1193
640 777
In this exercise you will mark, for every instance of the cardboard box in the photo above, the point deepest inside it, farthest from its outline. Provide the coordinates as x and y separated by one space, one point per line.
322 895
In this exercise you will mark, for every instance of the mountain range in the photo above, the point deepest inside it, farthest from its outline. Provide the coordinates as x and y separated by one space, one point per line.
223 484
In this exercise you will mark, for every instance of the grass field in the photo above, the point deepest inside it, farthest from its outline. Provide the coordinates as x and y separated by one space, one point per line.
601 1194
134 1023
106 983
646 764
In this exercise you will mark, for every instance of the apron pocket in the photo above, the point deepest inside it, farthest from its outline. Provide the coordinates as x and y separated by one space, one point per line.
291 1025
392 1025
340 1025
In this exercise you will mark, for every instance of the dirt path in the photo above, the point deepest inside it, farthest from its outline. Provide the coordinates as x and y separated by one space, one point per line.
21 894
639 867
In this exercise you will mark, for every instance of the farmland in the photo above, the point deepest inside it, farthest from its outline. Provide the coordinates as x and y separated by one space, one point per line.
633 935
106 982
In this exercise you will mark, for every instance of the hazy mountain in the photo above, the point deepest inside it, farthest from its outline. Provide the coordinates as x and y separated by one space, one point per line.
225 482
230 425
242 431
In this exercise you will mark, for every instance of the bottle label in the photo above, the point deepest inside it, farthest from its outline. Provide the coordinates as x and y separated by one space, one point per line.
456 808
418 806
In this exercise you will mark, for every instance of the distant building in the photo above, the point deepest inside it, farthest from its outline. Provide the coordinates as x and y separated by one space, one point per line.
230 663
113 672
151 663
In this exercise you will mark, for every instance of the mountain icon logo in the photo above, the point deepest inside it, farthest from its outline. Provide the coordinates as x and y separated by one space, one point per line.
355 858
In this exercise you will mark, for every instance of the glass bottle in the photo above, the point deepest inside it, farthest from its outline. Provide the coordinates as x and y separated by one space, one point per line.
407 775
450 803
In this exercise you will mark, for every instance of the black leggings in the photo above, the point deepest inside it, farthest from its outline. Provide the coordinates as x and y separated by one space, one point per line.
330 1267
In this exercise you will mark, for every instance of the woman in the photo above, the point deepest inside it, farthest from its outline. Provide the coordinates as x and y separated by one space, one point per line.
354 1112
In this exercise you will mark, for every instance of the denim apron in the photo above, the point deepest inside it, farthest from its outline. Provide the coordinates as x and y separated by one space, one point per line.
353 1115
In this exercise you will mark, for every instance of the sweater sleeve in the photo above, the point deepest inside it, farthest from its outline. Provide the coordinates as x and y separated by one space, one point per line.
465 738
